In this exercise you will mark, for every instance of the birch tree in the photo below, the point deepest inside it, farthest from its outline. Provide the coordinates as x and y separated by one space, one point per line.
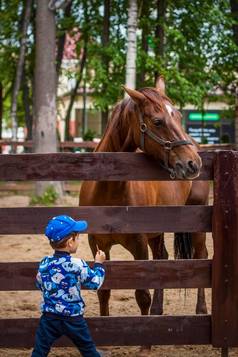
131 45
45 138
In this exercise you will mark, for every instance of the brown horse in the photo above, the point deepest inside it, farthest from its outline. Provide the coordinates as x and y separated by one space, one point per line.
148 121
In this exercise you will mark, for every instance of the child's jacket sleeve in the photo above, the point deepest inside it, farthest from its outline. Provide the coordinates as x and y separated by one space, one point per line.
39 281
92 278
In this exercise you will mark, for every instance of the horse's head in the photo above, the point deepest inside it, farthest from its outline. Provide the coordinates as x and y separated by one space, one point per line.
158 131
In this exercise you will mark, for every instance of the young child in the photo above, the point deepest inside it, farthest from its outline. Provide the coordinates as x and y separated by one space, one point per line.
60 277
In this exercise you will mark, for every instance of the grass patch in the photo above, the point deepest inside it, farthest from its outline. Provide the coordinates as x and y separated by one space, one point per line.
48 198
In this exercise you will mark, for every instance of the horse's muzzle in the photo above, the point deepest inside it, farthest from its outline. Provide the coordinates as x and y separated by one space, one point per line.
189 170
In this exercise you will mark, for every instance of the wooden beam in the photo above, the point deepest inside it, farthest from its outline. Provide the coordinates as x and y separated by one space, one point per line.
92 144
89 166
119 331
143 274
225 260
23 186
64 144
108 220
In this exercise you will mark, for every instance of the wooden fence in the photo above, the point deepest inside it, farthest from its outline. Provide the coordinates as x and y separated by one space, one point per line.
63 146
219 329
69 145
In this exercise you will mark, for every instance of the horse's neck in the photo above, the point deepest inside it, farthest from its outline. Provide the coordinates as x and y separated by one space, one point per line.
106 145
114 141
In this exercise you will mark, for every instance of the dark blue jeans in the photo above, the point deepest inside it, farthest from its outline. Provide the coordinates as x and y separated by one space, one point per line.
51 328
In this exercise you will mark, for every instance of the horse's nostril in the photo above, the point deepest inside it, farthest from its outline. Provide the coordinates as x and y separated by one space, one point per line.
192 166
179 165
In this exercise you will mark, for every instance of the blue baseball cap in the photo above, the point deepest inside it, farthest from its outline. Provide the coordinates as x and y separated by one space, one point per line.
60 227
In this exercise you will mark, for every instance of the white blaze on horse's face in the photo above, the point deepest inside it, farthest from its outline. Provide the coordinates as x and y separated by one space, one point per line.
169 109
172 114
183 168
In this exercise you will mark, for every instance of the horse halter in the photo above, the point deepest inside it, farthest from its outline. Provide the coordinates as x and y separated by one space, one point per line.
167 145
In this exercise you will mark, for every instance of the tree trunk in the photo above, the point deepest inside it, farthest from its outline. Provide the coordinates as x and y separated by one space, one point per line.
84 118
131 45
27 103
159 31
74 93
44 131
19 68
234 13
105 59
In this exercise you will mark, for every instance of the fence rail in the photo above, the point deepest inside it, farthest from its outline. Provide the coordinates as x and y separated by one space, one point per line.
108 220
27 186
143 275
90 166
119 331
92 145
62 145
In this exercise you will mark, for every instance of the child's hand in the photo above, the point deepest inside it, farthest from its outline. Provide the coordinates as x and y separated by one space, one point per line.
100 256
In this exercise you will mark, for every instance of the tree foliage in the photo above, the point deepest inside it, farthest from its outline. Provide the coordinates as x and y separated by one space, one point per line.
199 53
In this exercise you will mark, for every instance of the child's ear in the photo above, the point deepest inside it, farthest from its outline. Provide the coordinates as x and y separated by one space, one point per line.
68 243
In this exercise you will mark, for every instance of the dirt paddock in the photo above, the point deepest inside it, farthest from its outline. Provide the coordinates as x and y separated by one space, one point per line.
22 304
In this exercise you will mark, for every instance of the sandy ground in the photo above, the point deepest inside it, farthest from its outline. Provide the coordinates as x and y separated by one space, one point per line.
20 304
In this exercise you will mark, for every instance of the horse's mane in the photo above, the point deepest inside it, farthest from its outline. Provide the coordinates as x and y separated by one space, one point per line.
123 111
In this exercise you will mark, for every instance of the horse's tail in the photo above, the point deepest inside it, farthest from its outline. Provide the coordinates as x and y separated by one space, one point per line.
183 248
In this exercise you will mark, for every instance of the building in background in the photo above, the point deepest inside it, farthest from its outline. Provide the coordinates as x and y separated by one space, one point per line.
213 126
93 117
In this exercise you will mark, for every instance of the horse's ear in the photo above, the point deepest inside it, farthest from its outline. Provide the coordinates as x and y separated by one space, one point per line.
160 84
136 96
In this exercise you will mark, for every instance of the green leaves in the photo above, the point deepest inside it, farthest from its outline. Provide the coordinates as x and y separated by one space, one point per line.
199 51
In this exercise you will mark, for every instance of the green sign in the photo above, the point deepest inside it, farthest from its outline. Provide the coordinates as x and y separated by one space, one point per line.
203 117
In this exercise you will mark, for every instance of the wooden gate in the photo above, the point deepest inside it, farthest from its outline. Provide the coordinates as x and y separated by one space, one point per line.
219 329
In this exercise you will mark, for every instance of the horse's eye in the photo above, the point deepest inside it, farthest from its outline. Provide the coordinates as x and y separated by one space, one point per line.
158 122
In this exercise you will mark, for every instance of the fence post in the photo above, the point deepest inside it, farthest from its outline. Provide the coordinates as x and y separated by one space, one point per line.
225 260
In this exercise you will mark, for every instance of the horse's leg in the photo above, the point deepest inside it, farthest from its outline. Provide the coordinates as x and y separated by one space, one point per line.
159 251
200 252
137 246
103 295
